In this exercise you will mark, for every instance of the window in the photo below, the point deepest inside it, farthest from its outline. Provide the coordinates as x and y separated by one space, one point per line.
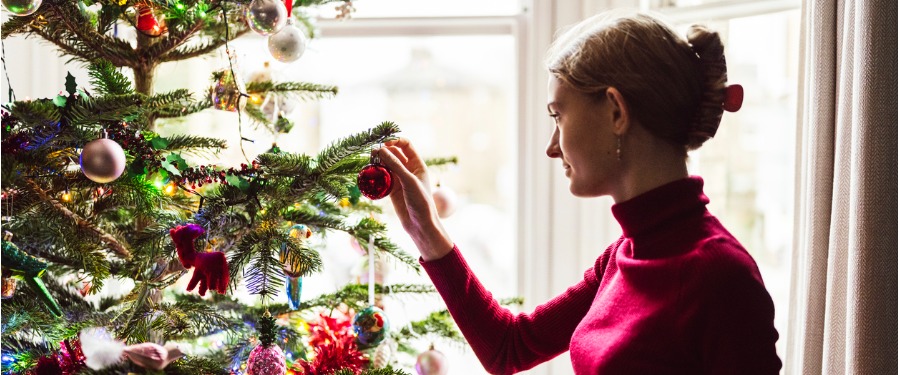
749 165
452 90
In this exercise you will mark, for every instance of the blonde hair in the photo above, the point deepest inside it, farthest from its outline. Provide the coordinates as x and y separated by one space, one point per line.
673 86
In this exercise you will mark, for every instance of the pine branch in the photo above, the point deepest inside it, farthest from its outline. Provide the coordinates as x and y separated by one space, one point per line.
190 143
110 48
301 90
171 41
84 224
257 258
354 145
286 164
187 320
108 80
356 296
189 52
439 162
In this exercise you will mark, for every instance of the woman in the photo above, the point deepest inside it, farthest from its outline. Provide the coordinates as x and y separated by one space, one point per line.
676 293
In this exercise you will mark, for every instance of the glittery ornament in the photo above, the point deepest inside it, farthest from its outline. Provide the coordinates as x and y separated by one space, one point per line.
444 201
22 7
9 287
288 44
371 326
375 180
102 160
28 268
431 362
383 355
226 94
266 17
267 358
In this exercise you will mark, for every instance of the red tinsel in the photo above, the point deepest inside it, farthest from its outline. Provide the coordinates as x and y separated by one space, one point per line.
329 358
329 330
68 361
334 347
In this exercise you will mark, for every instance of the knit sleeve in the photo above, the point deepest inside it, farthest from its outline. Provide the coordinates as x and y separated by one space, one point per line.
738 333
505 342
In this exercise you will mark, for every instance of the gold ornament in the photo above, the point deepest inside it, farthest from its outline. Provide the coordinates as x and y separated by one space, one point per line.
9 287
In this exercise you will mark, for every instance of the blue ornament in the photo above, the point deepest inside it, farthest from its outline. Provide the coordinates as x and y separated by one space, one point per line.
371 326
292 272
294 285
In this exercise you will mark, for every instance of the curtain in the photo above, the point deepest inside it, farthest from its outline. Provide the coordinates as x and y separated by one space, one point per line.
843 313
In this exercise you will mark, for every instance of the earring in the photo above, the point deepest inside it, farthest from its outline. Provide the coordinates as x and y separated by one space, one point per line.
619 148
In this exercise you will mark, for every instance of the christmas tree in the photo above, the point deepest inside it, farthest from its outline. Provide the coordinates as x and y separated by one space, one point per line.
93 194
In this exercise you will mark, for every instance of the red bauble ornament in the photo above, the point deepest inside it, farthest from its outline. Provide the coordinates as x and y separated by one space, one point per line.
147 22
374 180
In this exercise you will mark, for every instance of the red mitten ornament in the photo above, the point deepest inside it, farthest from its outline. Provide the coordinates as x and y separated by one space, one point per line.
210 269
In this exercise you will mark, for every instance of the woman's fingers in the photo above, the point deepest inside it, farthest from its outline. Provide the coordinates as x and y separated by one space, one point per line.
393 162
413 159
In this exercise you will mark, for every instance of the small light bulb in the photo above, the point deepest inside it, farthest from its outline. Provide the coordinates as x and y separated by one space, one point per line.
170 189
67 196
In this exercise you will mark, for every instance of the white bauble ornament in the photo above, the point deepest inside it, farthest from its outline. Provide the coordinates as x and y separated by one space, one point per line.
444 201
22 7
102 160
288 44
431 362
266 17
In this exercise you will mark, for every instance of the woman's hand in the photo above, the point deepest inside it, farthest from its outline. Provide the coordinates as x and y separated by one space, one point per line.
412 200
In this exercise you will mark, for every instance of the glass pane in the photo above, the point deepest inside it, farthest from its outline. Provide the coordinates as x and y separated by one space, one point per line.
749 165
452 96
419 8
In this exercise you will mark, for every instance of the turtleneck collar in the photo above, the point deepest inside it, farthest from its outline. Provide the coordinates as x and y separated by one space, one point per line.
649 210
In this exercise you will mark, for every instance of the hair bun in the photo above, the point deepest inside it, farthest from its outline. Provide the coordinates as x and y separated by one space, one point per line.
711 53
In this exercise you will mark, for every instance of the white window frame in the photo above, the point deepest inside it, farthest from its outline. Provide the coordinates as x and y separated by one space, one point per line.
558 236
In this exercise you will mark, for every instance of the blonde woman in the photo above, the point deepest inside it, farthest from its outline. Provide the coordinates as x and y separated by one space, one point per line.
676 293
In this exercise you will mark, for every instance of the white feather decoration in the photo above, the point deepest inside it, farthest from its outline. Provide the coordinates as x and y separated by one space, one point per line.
100 349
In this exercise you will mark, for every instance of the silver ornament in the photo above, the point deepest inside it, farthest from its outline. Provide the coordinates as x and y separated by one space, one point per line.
266 17
22 7
102 160
288 44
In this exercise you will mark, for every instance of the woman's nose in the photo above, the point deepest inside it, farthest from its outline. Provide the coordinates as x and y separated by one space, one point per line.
553 146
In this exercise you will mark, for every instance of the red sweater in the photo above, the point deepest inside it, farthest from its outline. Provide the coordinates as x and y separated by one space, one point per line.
676 294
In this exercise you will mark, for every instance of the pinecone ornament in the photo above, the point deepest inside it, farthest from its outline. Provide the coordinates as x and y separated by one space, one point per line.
267 358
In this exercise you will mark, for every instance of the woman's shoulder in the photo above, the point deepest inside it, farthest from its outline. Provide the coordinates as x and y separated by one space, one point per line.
723 259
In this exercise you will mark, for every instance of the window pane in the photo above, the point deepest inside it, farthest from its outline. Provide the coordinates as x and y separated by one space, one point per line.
452 96
749 165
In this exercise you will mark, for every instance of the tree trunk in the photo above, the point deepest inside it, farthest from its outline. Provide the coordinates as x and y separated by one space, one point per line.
144 73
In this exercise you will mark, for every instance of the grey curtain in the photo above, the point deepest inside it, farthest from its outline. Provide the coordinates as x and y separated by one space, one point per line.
843 313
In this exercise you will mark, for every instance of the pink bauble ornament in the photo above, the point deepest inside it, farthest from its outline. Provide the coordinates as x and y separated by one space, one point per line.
102 160
266 360
431 362
444 201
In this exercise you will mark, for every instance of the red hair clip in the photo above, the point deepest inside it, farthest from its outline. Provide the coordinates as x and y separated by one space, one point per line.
734 98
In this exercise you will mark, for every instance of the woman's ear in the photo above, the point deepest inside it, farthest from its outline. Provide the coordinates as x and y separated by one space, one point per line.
621 115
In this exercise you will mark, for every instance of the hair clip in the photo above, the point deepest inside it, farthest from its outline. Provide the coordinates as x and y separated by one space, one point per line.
734 98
